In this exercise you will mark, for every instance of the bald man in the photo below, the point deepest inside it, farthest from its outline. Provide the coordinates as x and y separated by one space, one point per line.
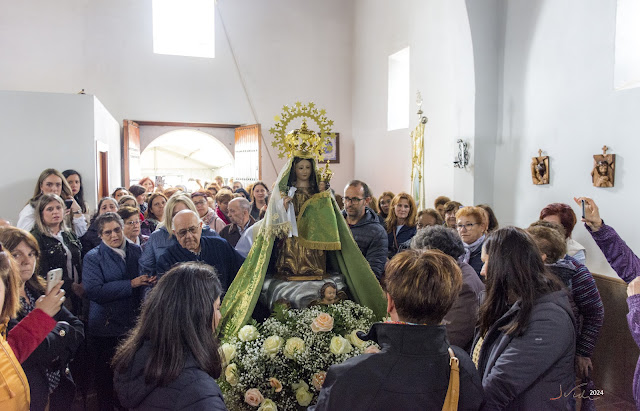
239 212
192 246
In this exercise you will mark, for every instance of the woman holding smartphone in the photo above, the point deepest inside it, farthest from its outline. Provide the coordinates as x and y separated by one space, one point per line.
51 181
59 247
46 367
25 337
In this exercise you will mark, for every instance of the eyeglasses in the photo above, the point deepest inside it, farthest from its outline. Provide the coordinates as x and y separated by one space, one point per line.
354 200
199 203
133 223
465 226
108 233
193 230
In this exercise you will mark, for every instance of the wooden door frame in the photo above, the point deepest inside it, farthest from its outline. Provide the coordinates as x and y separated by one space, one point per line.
125 143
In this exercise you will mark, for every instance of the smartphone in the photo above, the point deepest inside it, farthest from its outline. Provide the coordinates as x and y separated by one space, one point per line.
53 278
583 215
67 203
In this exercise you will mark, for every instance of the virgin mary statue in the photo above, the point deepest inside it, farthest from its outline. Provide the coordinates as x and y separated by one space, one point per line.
303 241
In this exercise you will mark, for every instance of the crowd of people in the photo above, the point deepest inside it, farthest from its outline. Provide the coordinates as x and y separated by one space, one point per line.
518 309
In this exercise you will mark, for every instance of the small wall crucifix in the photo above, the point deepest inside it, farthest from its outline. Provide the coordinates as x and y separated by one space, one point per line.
603 173
540 169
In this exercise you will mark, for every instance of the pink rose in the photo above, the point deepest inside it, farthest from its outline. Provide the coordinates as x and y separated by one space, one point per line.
253 397
318 379
323 322
372 349
274 383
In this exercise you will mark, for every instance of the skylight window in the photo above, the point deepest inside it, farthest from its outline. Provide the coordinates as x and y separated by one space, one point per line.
627 64
184 28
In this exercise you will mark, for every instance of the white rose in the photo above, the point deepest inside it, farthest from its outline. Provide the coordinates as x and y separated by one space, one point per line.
229 351
340 345
248 333
272 345
353 339
268 405
231 374
303 396
292 346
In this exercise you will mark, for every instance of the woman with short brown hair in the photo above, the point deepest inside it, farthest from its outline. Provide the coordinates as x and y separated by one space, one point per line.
416 356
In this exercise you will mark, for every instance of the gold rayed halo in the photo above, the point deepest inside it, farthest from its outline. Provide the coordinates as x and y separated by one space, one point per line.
299 110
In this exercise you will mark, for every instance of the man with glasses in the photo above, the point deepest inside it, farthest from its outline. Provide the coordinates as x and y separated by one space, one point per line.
192 246
365 226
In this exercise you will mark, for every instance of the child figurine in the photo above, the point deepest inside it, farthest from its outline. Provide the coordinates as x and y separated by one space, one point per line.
329 294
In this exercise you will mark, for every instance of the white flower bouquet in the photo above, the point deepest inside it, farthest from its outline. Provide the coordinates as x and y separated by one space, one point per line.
282 363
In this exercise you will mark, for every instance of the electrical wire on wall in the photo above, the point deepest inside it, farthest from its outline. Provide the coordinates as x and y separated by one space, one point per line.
244 86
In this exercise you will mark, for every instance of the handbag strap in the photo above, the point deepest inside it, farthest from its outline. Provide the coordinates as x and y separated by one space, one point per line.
453 392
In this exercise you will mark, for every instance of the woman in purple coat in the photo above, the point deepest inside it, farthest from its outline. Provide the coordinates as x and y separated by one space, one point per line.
626 264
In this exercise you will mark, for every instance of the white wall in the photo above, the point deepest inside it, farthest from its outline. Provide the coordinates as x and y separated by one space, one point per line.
287 50
441 68
558 96
39 131
107 131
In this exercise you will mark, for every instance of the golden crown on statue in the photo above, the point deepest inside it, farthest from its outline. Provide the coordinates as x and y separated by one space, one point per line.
302 142
326 173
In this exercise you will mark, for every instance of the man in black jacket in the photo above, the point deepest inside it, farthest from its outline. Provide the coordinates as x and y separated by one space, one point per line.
192 246
365 227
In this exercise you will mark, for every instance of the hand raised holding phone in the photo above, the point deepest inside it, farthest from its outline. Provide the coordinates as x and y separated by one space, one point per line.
52 302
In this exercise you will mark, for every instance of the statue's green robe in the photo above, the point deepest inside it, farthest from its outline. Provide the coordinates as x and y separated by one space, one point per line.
320 226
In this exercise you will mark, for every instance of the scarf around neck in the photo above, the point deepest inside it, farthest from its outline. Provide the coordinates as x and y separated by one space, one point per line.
470 248
221 215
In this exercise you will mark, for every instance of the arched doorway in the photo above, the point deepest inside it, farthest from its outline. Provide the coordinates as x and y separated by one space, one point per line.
180 157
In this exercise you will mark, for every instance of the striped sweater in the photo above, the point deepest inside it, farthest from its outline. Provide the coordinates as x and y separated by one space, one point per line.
589 304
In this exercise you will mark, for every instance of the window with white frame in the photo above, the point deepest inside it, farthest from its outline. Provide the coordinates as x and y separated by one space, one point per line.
398 103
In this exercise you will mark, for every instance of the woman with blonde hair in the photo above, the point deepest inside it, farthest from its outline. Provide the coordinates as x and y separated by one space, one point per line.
51 181
401 221
59 248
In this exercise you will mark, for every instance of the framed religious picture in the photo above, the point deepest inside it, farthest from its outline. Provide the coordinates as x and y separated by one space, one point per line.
603 172
332 152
